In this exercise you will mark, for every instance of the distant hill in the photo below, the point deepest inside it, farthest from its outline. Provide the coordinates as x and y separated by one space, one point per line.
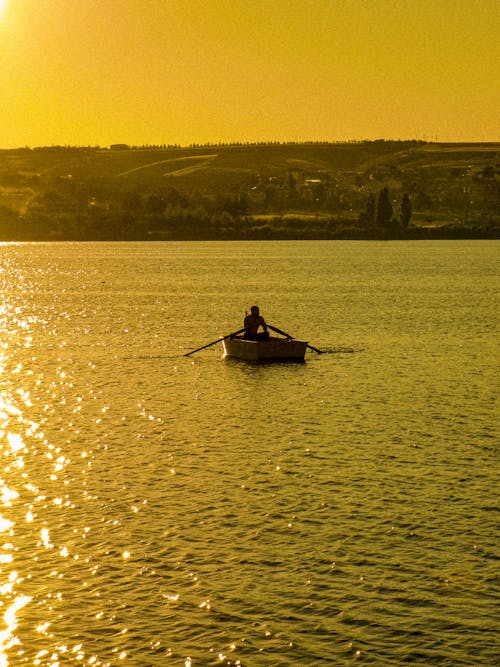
324 190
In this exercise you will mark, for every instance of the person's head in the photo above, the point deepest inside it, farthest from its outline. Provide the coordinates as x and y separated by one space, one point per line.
254 310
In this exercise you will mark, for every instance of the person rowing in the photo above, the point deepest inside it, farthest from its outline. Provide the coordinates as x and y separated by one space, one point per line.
252 323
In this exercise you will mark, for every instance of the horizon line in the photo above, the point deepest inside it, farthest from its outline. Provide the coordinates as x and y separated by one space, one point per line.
222 144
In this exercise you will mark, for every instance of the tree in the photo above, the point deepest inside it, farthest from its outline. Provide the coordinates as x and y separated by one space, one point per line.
405 215
384 208
371 209
489 171
155 205
8 222
132 202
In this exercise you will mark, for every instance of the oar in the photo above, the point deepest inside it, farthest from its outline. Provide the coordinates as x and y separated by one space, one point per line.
235 333
283 333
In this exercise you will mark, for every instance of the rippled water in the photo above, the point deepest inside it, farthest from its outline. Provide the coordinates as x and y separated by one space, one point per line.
158 509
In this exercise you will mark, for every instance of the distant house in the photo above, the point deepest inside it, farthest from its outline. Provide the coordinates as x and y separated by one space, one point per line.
312 189
119 147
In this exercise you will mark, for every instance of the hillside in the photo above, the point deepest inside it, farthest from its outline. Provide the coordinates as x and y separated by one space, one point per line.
250 191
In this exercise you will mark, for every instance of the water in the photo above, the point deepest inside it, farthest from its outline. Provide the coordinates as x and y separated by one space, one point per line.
158 509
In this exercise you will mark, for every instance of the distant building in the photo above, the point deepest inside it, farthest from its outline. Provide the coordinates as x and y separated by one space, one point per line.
311 189
119 147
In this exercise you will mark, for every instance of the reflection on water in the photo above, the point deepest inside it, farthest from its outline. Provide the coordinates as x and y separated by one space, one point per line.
157 509
12 449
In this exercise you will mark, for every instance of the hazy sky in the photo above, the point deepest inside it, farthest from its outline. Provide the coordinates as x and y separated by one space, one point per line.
181 71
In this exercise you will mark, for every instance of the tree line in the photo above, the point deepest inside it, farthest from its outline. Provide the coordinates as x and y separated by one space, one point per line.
68 213
65 214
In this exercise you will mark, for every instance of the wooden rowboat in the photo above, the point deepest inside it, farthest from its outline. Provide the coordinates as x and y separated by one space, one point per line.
274 349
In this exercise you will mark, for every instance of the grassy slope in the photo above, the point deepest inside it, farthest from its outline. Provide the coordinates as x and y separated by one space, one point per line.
233 169
331 158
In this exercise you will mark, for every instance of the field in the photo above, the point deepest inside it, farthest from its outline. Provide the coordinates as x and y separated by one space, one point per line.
316 190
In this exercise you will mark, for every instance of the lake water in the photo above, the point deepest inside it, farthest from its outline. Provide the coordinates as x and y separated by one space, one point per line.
158 509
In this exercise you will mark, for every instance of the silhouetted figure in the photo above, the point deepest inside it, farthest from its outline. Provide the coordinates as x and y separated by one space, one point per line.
252 323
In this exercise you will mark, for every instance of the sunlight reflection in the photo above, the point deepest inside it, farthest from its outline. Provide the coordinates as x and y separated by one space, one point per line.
42 627
8 495
6 409
7 637
46 539
5 524
15 442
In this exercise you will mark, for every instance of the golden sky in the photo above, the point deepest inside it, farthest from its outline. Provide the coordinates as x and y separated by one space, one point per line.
97 72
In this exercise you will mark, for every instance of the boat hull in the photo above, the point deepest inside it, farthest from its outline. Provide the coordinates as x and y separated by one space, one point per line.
274 349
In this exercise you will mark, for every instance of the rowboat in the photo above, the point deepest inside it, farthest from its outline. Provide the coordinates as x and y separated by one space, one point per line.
273 349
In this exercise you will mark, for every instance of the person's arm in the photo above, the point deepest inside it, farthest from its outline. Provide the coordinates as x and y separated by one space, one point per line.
263 322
